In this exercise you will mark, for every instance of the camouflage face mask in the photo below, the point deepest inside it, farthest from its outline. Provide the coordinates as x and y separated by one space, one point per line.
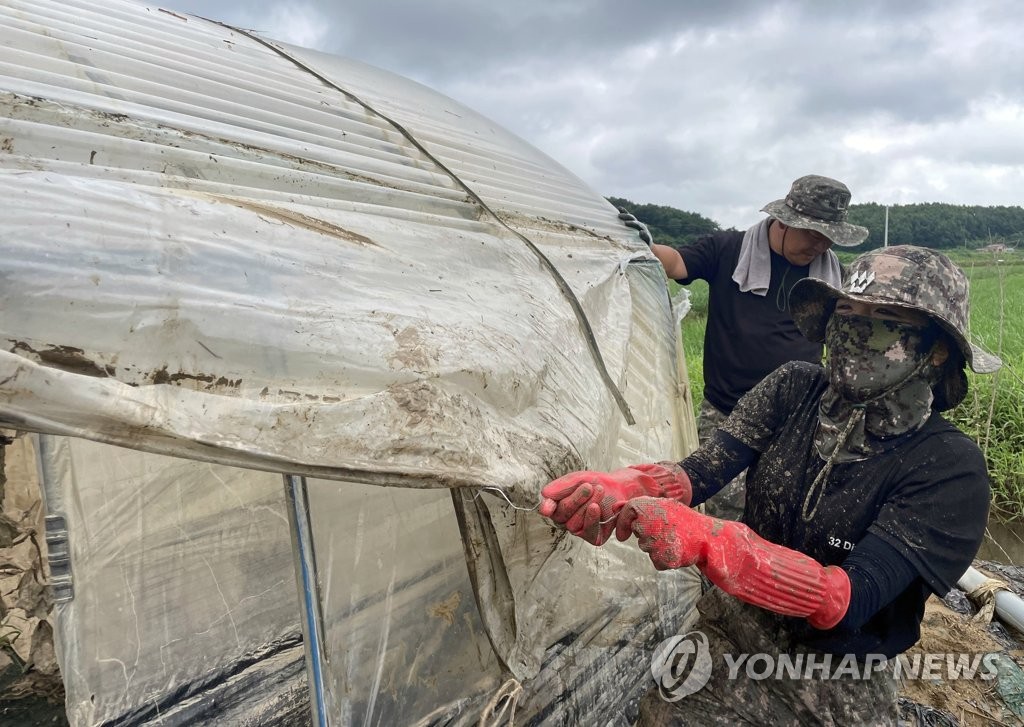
880 386
868 357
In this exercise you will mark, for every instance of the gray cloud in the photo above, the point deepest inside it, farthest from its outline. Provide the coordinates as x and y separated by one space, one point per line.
712 107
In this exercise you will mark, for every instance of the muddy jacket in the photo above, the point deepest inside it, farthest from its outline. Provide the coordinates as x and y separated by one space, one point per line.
926 495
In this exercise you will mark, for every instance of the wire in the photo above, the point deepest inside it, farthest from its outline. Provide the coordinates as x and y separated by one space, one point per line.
498 490
563 286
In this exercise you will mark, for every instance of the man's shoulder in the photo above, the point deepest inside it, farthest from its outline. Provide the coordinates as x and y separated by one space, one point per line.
714 249
941 434
795 379
804 371
721 238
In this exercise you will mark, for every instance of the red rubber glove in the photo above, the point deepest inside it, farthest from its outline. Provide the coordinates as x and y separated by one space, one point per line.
737 560
586 502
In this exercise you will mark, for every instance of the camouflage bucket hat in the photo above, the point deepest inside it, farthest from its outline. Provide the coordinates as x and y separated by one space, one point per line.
907 276
821 204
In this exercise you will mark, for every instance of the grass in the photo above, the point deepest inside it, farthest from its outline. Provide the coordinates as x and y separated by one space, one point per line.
693 335
993 412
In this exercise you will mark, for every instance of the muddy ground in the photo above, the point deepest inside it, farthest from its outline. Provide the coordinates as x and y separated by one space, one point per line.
948 628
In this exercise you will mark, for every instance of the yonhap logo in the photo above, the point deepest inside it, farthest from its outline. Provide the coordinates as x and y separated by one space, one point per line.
681 665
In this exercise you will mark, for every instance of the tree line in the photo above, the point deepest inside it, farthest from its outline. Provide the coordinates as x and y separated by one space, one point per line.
668 225
934 224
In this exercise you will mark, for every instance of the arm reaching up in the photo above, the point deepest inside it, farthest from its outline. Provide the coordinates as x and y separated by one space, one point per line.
672 261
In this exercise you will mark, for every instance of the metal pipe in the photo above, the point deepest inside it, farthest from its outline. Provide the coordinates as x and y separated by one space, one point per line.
1009 606
51 460
308 583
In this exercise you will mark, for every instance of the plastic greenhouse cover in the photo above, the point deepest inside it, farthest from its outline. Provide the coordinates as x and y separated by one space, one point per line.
251 255
185 609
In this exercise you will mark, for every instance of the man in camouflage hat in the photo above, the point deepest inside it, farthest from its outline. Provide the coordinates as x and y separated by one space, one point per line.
862 501
750 331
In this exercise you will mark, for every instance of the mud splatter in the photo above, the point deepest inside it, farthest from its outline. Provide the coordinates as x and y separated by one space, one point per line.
445 610
65 358
412 352
305 221
163 376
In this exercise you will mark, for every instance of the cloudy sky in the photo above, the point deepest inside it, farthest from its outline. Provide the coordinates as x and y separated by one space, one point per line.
712 106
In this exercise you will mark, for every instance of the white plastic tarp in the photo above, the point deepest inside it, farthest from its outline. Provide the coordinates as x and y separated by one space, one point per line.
244 253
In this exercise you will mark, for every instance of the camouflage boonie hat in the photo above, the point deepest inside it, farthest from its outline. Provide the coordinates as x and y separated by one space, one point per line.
821 204
906 276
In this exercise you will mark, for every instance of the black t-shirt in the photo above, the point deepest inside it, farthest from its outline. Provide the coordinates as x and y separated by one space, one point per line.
927 496
747 336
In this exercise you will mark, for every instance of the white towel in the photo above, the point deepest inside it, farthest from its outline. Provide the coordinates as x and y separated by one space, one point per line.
753 271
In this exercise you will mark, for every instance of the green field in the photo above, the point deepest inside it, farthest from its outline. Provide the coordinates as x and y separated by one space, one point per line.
993 413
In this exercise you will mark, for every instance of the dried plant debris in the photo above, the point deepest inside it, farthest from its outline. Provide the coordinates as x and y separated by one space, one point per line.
30 680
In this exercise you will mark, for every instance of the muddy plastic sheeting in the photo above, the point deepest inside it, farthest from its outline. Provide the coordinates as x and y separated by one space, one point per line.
227 258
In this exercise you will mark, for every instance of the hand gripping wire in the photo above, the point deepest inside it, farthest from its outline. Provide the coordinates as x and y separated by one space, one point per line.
497 490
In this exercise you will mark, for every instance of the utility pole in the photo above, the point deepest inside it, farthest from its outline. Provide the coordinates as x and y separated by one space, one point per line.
885 239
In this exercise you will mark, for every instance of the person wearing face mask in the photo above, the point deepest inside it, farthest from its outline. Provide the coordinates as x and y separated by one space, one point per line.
750 330
862 500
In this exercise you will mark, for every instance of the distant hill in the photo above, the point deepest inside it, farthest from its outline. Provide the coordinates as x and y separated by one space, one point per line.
940 225
932 224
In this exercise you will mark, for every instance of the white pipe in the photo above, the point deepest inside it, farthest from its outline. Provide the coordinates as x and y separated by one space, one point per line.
1009 606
